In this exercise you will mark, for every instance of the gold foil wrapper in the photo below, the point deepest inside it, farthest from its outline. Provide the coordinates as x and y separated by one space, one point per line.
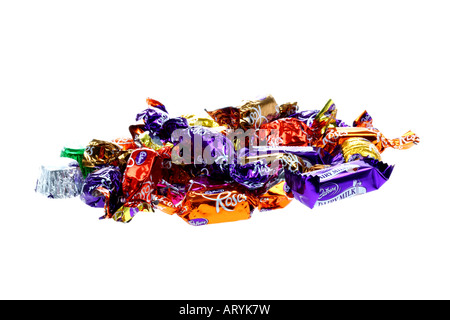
100 153
255 113
205 121
287 109
359 146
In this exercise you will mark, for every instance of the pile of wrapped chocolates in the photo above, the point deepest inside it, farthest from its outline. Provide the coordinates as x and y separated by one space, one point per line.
224 165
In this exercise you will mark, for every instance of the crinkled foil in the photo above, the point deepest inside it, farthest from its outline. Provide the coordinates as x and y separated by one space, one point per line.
255 113
205 121
101 153
63 179
356 148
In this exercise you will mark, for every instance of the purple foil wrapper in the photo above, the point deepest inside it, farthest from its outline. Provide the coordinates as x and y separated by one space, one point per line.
154 119
170 126
338 182
256 174
109 178
210 151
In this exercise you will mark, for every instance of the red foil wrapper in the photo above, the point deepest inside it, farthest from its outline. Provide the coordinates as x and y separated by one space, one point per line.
286 132
228 117
141 176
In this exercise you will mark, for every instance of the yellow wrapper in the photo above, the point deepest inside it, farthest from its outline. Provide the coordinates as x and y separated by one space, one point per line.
147 141
361 146
205 121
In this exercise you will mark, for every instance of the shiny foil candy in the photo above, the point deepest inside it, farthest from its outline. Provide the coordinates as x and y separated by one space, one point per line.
228 117
357 148
205 121
287 132
142 173
77 154
221 166
321 187
60 179
100 153
102 189
275 198
207 203
336 137
253 114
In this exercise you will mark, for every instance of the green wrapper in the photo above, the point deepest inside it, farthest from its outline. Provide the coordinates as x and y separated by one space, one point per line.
76 154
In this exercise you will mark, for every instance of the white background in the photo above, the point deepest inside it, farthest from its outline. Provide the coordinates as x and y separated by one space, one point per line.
75 71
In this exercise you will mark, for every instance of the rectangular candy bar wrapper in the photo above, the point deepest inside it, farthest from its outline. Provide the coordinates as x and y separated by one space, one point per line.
321 187
207 203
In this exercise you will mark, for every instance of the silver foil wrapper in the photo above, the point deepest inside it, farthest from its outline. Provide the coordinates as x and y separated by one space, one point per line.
60 179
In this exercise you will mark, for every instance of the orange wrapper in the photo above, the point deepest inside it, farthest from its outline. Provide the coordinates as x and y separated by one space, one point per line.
275 198
336 136
206 204
325 134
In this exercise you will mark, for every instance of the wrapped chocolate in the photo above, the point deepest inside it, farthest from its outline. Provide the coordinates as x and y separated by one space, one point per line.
274 198
171 188
205 121
336 136
77 154
253 114
228 117
358 148
222 166
153 119
101 153
338 182
61 178
141 176
286 132
205 150
157 122
288 109
326 134
170 126
102 188
207 202
255 172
